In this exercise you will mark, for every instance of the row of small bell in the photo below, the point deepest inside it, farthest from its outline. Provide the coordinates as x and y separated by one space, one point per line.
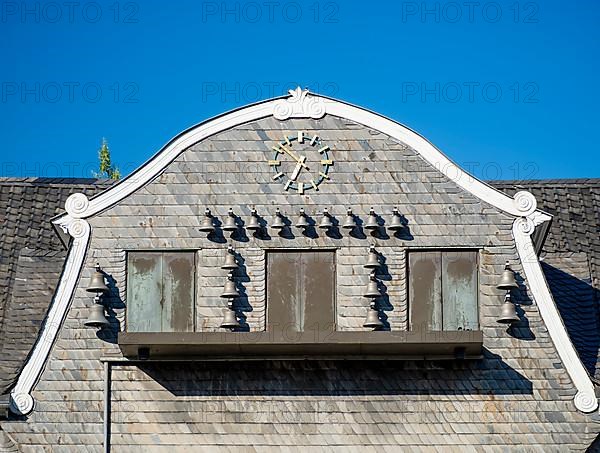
508 312
230 223
96 318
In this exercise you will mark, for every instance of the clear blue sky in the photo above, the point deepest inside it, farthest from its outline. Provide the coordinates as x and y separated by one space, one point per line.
507 89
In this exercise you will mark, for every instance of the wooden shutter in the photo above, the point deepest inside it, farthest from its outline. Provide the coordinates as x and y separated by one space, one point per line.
160 292
443 290
301 290
460 290
425 290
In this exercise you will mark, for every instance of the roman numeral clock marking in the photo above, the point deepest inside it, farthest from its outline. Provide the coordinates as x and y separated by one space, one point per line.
307 162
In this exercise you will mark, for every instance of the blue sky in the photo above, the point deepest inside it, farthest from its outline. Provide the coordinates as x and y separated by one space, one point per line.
506 89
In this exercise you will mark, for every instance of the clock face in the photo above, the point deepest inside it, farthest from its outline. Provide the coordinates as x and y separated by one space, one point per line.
301 162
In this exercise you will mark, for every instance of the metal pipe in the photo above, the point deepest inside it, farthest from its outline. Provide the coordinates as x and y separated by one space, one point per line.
106 420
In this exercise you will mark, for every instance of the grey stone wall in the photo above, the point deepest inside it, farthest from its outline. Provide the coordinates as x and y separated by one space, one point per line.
518 397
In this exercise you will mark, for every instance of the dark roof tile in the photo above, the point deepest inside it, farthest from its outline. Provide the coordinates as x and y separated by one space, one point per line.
27 243
571 256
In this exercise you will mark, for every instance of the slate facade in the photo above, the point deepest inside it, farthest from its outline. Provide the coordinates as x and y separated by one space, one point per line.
518 396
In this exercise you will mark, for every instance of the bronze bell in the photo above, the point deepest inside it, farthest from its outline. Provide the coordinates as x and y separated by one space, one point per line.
229 319
373 318
230 223
97 318
396 221
207 223
278 224
350 222
302 221
230 291
230 261
507 280
97 283
508 313
373 261
253 223
372 223
326 220
372 287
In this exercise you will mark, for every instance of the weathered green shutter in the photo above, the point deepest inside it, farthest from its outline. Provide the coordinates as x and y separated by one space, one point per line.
425 290
178 292
443 290
160 292
459 290
144 292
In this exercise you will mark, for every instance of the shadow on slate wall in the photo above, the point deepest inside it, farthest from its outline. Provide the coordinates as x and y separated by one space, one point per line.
577 302
490 376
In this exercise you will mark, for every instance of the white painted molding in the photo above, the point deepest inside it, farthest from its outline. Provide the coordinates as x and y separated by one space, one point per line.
300 104
21 400
585 400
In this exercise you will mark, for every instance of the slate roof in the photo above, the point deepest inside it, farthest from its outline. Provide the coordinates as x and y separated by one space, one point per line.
31 259
571 256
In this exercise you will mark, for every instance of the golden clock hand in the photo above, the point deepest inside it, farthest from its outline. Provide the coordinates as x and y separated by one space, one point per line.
298 168
292 155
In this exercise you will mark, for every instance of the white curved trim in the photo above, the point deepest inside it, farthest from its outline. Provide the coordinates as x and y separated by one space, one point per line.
21 400
305 105
300 104
585 400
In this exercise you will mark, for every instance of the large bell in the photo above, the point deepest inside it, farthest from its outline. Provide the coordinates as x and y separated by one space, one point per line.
350 222
326 220
278 223
302 220
97 283
230 291
253 223
396 221
372 287
508 313
207 223
373 261
507 280
230 261
230 223
96 318
372 319
229 320
372 223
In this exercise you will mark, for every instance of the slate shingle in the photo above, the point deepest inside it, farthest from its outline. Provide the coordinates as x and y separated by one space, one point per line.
31 258
571 256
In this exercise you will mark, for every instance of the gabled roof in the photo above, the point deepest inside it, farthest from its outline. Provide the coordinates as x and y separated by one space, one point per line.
301 104
571 257
31 260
